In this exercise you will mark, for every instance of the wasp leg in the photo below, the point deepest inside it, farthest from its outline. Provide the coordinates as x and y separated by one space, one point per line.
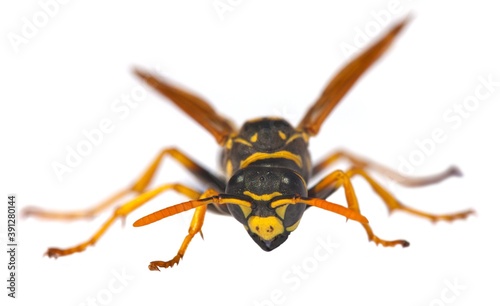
122 212
364 163
194 228
33 211
137 187
334 181
393 204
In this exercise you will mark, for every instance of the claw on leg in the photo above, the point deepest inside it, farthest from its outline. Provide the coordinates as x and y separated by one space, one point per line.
338 179
121 213
194 228
156 265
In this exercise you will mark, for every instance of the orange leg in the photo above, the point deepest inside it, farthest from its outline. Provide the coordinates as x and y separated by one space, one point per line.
122 212
137 187
335 181
393 204
363 163
194 228
339 178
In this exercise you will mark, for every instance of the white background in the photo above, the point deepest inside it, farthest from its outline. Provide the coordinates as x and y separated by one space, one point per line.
260 59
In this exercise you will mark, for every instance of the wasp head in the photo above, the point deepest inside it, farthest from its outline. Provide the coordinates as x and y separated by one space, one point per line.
272 216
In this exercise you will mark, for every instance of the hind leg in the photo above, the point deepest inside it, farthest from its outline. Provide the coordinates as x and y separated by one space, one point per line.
366 164
337 179
138 187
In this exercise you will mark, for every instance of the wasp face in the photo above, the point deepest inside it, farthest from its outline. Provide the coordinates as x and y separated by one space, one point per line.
272 216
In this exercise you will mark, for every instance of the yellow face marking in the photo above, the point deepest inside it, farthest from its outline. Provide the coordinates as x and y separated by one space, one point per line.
254 137
280 154
246 210
243 141
282 135
292 227
265 227
280 211
229 168
262 197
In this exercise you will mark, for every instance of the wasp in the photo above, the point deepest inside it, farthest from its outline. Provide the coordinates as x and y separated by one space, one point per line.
267 167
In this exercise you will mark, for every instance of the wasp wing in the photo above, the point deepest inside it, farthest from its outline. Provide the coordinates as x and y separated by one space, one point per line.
344 80
194 106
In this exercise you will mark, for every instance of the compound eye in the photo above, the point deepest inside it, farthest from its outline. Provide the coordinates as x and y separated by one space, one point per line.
239 212
293 183
290 214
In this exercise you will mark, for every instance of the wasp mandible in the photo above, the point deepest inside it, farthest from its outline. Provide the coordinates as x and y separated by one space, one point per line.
267 168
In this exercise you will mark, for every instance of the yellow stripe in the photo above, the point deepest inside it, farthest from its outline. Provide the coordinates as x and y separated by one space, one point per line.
235 201
262 197
229 168
280 154
229 143
243 141
281 202
298 135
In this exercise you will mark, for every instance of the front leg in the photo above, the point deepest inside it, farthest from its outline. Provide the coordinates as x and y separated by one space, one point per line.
194 228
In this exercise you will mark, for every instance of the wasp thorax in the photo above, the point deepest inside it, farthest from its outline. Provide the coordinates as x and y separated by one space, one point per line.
267 134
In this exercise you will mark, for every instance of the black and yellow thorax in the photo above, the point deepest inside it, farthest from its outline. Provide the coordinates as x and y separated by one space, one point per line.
267 142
